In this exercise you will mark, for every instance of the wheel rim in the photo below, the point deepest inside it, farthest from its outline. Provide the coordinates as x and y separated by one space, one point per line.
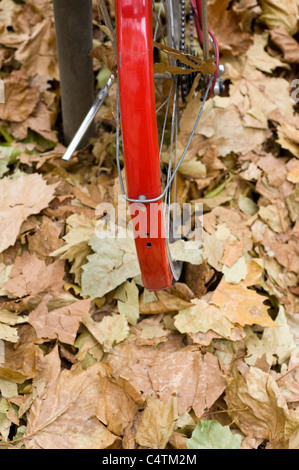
140 182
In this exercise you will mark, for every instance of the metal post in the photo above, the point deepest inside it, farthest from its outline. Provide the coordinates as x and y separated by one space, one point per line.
73 25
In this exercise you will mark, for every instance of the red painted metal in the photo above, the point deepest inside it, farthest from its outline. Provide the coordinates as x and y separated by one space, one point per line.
139 134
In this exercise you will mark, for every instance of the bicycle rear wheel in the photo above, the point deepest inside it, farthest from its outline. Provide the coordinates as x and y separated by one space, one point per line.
138 24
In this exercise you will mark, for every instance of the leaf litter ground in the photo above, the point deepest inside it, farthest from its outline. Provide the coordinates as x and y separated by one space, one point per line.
91 359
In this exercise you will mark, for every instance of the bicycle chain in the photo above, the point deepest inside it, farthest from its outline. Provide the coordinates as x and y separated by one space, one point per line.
186 81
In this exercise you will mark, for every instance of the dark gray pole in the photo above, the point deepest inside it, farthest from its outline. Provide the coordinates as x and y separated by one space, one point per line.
73 25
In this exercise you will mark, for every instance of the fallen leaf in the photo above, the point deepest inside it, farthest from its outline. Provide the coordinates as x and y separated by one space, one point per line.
5 422
261 410
65 398
237 272
187 374
110 331
20 98
7 322
288 138
39 121
278 339
293 175
157 423
226 24
277 13
286 43
45 238
21 358
8 389
232 252
8 156
113 262
128 301
212 250
76 248
61 323
31 276
38 53
241 305
187 251
163 303
120 404
202 317
211 435
18 200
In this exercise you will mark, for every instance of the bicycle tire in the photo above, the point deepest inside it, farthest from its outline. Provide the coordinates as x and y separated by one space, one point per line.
134 29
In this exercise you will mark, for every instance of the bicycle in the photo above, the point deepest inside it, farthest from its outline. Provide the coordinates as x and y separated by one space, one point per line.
144 31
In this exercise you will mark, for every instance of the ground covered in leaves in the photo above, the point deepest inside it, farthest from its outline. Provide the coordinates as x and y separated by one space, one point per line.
91 359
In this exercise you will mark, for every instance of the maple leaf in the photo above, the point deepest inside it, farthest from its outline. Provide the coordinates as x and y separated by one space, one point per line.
20 98
211 435
282 12
18 200
226 24
263 410
31 276
202 317
157 423
76 248
38 53
179 374
119 404
113 262
241 305
65 397
110 331
61 323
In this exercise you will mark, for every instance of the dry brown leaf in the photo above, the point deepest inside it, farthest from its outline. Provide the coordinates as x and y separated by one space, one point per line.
286 43
31 276
197 277
21 359
55 417
241 305
105 54
20 98
44 7
202 317
46 238
110 331
196 63
293 175
232 253
157 423
119 405
277 13
61 323
18 200
39 121
262 409
166 302
76 248
226 24
38 54
288 138
187 373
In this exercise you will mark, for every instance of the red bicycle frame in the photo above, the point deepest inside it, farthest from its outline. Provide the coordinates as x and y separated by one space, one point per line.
140 135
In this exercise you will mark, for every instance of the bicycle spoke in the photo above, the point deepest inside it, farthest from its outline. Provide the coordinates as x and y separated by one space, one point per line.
165 121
